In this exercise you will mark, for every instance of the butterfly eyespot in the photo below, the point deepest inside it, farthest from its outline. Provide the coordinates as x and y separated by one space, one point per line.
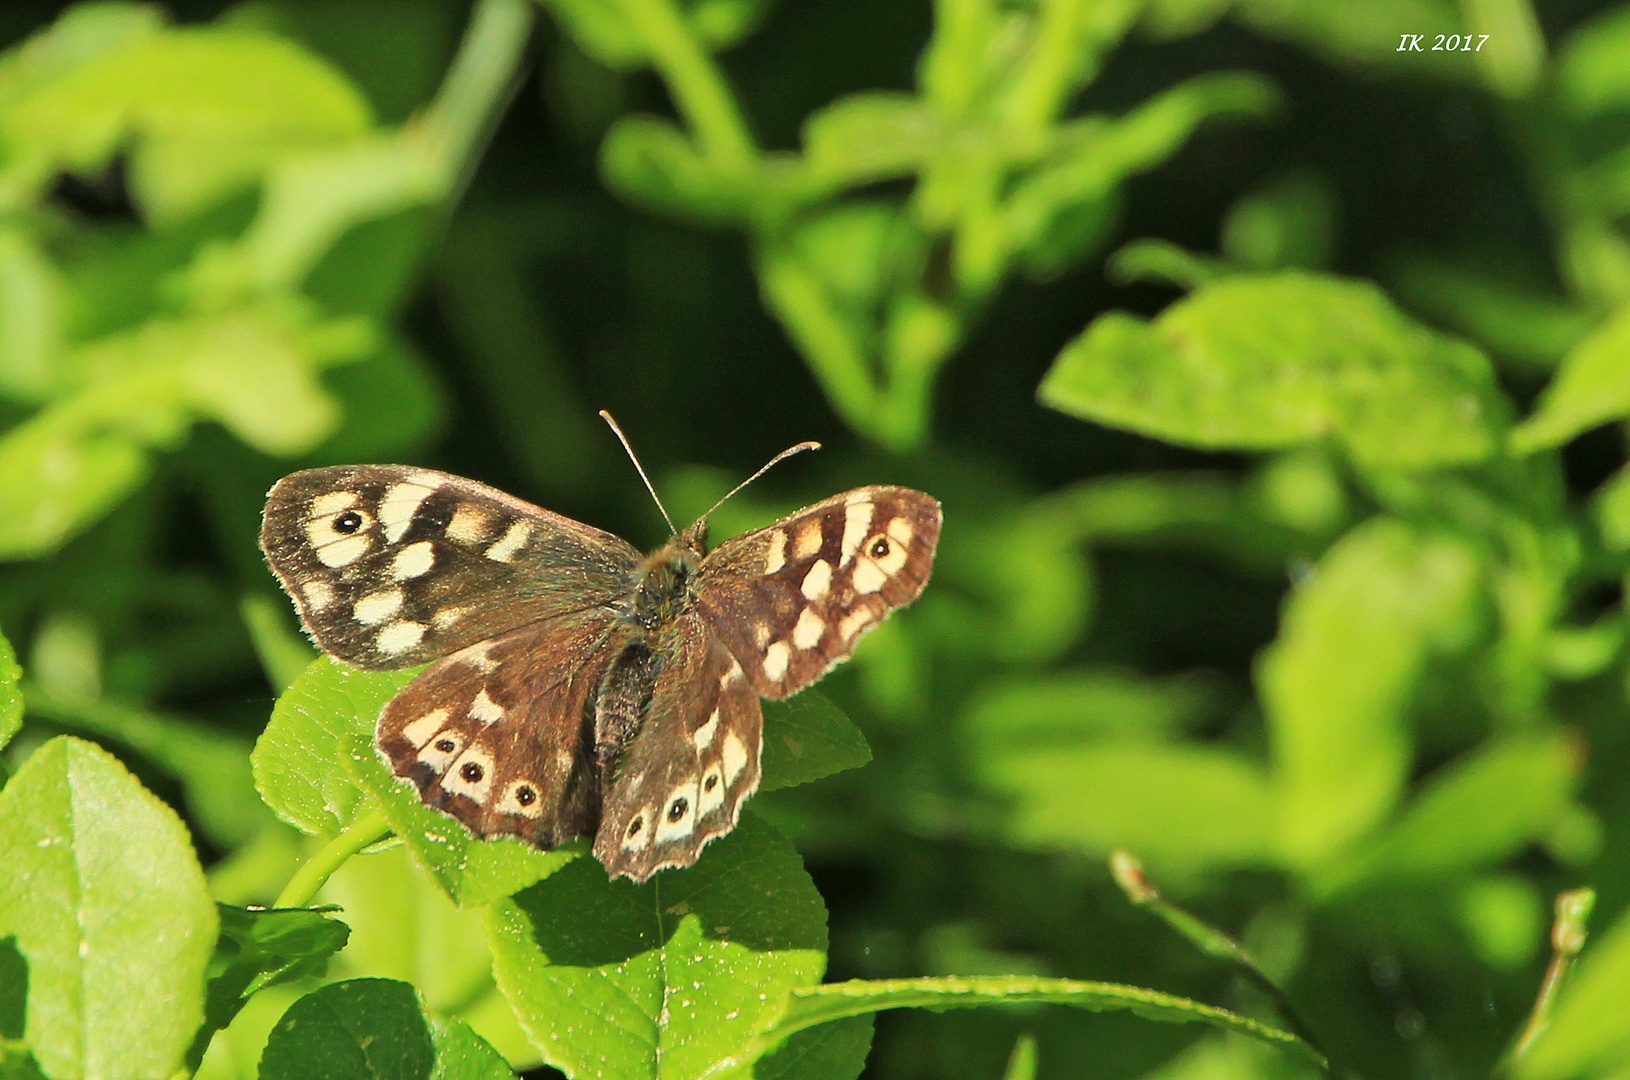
446 746
880 548
525 796
471 772
677 810
635 826
348 522
711 783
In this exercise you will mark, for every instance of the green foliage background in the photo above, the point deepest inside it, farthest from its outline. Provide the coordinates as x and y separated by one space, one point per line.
1273 376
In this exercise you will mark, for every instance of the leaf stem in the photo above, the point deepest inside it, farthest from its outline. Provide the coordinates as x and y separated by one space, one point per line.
368 829
478 85
697 86
1567 939
1129 876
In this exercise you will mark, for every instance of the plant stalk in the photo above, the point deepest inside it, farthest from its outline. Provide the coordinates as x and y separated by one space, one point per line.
370 828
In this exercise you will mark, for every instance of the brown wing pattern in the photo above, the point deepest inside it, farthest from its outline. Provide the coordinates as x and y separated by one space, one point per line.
684 778
393 566
792 599
500 733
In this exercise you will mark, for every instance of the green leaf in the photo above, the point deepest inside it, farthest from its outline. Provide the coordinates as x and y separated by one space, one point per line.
1479 810
367 1029
1612 511
1590 1027
834 1051
1067 203
100 887
1261 361
31 295
1591 387
56 477
653 164
191 104
260 948
1067 707
298 759
11 697
1590 72
676 978
1336 681
831 1001
605 31
1191 805
864 138
806 738
461 1054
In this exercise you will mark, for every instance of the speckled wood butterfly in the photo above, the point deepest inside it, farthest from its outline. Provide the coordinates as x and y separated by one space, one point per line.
579 689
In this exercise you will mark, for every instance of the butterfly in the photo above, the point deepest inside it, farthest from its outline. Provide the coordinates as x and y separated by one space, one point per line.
577 688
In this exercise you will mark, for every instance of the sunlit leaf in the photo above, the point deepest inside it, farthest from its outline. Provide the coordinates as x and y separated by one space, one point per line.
105 898
673 979
1591 387
1256 362
1335 683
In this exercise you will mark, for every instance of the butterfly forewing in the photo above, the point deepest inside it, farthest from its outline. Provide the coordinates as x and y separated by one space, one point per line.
682 781
499 734
393 566
792 599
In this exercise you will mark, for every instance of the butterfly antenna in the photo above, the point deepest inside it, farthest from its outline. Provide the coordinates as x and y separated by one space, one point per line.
768 465
641 469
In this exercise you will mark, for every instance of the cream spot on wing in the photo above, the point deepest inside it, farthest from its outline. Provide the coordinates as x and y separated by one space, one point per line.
703 736
807 634
868 577
469 524
413 561
857 522
511 542
761 633
732 677
902 532
476 656
734 757
634 780
448 616
399 637
333 503
677 814
344 552
375 608
710 795
401 502
809 540
426 727
439 752
817 581
318 594
775 661
484 709
637 833
775 554
854 622
564 760
470 775
513 803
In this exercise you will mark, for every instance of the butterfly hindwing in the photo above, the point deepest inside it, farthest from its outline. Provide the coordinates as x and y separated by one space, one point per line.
695 760
499 734
392 566
793 598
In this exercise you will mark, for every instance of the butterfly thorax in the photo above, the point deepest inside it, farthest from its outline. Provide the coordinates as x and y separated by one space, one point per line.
664 586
